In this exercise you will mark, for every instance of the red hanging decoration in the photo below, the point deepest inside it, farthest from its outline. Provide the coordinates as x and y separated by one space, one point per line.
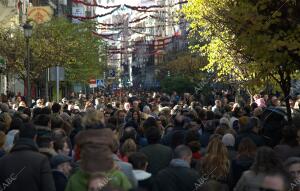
95 4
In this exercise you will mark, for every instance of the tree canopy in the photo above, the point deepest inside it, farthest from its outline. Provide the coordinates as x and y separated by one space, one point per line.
55 43
249 40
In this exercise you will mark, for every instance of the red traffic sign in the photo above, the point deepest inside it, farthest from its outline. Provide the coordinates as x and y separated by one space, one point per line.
93 81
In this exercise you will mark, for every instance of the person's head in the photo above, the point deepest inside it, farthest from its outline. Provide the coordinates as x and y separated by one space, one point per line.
218 103
6 119
275 101
135 105
266 161
247 148
61 146
183 152
128 147
255 124
106 116
292 165
191 135
216 158
42 120
146 109
244 124
56 108
228 140
136 115
39 103
28 131
129 133
93 120
121 115
16 123
153 135
46 110
61 163
225 121
149 123
59 134
138 160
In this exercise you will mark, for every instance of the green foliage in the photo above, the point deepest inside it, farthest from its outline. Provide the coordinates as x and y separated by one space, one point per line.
58 42
184 64
247 41
177 83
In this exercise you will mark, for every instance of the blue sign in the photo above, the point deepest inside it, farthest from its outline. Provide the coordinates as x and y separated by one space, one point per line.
112 73
100 83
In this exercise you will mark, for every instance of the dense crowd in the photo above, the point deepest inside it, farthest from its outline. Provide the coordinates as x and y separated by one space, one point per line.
148 142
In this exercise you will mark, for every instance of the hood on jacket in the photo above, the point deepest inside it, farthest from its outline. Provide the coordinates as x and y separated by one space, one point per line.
95 150
24 144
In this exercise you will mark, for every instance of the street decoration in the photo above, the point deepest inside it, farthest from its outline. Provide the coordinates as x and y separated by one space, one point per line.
40 14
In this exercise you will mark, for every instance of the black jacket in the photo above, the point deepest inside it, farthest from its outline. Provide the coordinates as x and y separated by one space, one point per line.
176 179
159 157
24 168
239 165
60 180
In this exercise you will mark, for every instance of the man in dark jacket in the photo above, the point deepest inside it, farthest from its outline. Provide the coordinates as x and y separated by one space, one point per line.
159 156
249 128
178 176
24 168
61 170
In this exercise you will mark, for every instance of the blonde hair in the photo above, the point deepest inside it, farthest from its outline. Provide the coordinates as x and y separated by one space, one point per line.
128 147
93 117
6 121
2 139
216 162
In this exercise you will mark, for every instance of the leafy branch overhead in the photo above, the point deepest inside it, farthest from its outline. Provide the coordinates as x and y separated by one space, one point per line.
57 42
250 41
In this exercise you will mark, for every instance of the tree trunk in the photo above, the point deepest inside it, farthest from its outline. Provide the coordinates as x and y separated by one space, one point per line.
288 107
286 88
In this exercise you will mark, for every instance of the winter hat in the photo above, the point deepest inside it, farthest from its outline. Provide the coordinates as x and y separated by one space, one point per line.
228 140
95 147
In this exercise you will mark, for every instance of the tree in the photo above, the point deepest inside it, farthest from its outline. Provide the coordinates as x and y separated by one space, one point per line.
257 40
55 43
184 64
179 84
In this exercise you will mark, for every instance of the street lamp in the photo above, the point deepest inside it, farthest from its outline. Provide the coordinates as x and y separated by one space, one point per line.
27 34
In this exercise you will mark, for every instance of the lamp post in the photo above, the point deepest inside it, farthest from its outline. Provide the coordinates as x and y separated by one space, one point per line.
27 34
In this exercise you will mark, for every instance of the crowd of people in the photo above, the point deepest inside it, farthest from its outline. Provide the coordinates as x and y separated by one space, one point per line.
143 141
